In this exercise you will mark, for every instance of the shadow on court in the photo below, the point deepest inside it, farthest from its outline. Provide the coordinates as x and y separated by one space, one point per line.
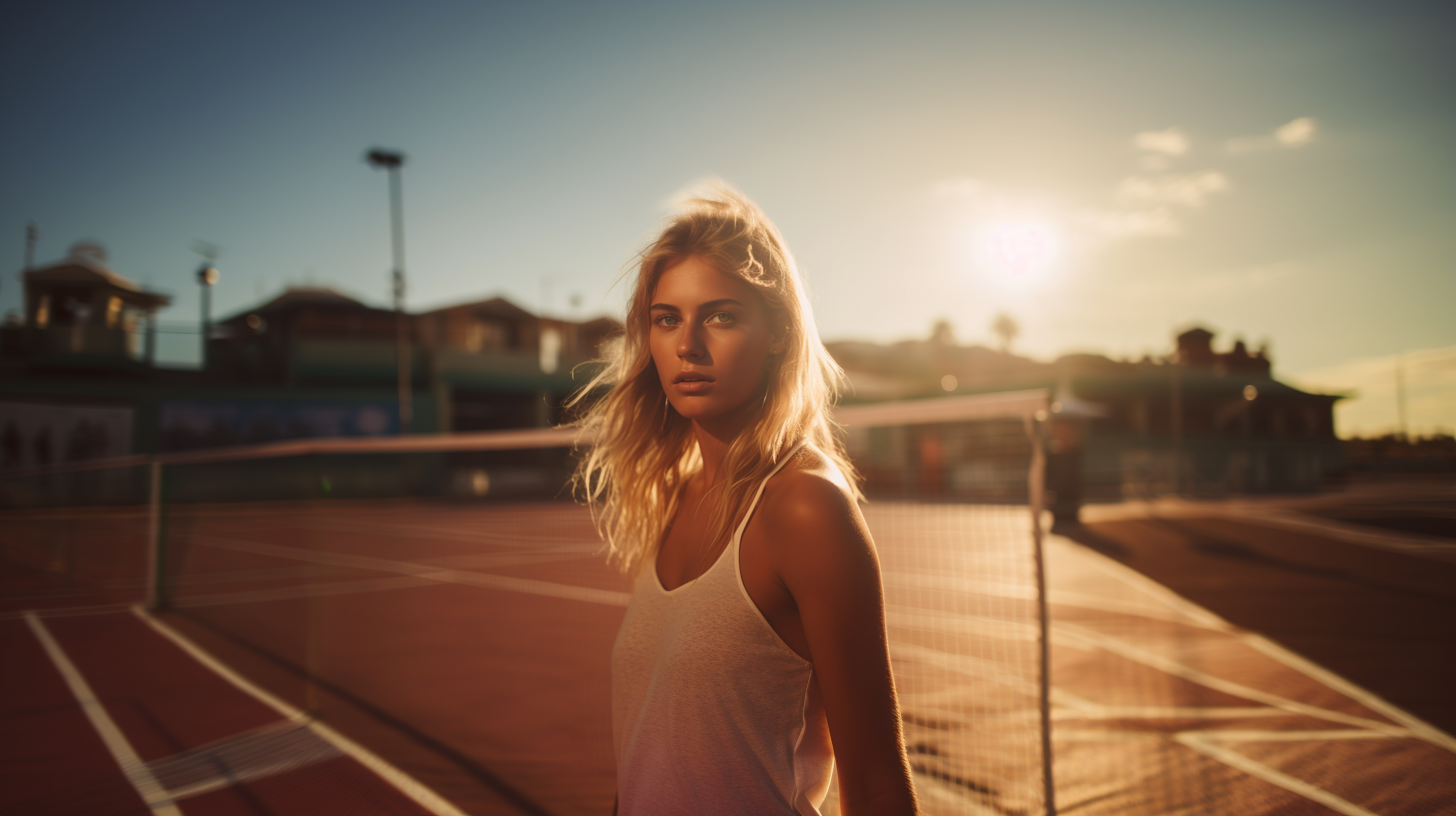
1384 620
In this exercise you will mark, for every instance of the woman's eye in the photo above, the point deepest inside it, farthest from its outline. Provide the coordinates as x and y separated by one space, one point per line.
721 319
667 320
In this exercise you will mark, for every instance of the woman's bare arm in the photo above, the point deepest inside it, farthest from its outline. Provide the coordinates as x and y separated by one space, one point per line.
823 554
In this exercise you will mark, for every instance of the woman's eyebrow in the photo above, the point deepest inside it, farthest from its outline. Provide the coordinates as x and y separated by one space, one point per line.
712 304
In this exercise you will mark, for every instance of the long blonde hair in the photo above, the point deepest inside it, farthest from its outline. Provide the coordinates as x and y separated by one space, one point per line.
643 452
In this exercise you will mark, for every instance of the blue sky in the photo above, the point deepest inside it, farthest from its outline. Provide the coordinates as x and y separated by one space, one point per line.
1141 140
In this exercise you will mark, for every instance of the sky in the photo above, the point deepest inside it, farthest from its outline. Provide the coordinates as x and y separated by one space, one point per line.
1107 173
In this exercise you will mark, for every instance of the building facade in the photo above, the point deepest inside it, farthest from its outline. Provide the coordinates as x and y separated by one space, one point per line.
1195 422
78 378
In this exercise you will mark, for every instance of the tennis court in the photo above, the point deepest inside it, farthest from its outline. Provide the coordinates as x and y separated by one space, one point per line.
466 645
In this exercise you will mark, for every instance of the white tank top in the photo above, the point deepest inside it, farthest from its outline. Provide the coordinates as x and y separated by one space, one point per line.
711 711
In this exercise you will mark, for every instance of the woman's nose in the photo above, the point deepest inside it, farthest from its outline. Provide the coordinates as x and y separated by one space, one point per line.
690 343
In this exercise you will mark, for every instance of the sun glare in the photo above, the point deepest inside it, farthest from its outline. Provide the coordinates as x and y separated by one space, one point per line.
1022 248
1017 257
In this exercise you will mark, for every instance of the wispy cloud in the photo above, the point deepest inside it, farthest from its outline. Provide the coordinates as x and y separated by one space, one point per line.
1298 133
1170 142
1117 223
1181 189
1232 281
1150 203
1430 391
1293 134
1147 204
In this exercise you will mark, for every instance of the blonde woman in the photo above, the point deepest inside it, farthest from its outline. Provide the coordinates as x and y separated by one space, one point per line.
753 654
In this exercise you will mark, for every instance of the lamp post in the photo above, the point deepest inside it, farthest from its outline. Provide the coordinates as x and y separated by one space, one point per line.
207 275
392 161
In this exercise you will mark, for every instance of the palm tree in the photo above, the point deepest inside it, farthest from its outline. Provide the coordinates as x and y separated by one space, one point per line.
1007 329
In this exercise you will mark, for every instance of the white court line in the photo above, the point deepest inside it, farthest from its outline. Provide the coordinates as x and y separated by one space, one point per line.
461 535
1314 671
314 590
1171 713
479 579
1173 667
1272 515
1431 547
1417 726
929 620
987 670
478 561
136 771
1145 585
1062 597
408 785
1232 735
1059 597
997 589
510 558
1255 768
67 611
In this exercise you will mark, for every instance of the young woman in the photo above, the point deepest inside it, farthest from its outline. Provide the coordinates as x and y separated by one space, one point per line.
753 654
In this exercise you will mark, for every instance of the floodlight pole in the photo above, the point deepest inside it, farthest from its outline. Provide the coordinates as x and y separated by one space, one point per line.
393 161
207 275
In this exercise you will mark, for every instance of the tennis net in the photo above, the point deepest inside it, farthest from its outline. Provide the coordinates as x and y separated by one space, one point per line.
444 600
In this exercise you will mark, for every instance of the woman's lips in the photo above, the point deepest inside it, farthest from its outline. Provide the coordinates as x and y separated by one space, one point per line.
692 382
692 386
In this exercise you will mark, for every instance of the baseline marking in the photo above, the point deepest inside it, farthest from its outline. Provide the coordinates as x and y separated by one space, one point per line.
406 784
1419 546
1253 767
67 611
527 585
136 771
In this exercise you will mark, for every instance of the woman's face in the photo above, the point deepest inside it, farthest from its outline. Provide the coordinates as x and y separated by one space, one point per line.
711 341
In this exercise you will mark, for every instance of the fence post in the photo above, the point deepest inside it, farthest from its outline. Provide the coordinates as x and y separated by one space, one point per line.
156 541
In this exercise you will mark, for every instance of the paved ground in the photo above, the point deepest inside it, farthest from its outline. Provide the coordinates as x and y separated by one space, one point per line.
466 646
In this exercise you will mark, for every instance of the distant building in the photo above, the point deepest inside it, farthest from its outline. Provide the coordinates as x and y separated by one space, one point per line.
78 378
1197 422
80 314
484 365
503 367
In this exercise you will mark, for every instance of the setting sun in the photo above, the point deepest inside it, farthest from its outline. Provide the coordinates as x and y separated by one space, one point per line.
1021 247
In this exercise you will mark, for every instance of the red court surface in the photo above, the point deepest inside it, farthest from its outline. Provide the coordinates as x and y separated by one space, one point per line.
207 746
467 647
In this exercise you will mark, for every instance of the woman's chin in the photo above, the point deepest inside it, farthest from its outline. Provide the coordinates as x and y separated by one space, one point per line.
700 410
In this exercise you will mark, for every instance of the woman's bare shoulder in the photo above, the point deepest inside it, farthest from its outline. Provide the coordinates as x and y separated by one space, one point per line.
810 483
808 509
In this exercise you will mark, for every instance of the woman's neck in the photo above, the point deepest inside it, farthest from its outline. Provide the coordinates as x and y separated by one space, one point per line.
716 434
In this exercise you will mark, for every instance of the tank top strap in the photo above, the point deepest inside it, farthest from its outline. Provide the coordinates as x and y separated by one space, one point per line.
753 505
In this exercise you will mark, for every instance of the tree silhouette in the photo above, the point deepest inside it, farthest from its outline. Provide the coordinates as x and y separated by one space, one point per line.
942 333
1007 329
